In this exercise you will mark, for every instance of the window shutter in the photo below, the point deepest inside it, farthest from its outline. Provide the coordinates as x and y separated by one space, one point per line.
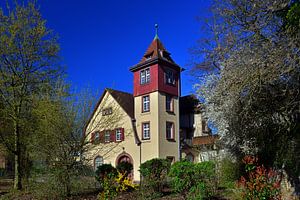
92 137
122 134
101 136
113 135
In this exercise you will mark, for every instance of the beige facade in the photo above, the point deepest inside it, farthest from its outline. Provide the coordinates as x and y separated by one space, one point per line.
158 146
112 151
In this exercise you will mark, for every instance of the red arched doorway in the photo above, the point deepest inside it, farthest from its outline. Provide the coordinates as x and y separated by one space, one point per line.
125 157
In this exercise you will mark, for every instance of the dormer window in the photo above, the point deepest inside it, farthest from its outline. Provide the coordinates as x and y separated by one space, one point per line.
145 76
170 77
148 57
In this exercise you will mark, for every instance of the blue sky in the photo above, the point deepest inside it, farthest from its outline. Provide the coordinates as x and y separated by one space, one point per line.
100 40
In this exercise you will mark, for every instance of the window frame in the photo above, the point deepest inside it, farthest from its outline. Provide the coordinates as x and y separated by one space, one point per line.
172 133
144 103
118 132
101 162
145 76
143 131
107 133
107 111
170 75
171 103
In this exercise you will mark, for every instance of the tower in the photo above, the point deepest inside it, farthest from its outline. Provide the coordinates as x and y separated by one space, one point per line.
156 102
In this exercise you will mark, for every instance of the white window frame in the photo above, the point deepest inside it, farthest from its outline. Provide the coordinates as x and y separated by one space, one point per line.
107 136
118 135
146 130
146 103
145 76
97 162
97 136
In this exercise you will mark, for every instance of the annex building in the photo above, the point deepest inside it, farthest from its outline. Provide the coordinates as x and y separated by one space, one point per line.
152 122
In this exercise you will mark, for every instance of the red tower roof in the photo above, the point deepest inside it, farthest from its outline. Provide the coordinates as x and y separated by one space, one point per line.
156 50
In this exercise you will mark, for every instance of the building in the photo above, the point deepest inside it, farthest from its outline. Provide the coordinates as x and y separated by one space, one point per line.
146 124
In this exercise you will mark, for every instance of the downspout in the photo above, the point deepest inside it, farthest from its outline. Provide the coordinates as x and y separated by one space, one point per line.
137 141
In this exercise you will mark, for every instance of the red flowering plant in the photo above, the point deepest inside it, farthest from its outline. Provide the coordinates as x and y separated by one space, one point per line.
259 183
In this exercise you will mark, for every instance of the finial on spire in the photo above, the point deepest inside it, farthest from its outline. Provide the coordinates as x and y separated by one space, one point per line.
156 31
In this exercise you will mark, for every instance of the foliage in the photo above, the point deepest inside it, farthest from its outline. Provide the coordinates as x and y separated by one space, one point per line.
105 171
194 181
112 181
229 172
125 168
29 69
249 79
124 183
259 183
154 173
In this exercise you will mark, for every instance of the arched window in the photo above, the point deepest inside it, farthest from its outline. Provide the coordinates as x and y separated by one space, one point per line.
189 157
98 162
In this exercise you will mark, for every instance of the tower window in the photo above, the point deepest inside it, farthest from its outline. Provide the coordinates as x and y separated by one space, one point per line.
145 76
170 78
146 130
170 131
146 103
169 103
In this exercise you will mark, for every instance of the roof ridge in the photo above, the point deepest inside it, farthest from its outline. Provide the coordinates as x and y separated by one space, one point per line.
110 89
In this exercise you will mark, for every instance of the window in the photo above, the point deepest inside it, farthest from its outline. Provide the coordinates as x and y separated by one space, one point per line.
118 135
107 136
106 111
98 162
146 131
170 131
169 103
97 137
170 78
145 76
146 103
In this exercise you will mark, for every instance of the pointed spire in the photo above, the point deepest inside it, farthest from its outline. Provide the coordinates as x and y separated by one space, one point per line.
156 31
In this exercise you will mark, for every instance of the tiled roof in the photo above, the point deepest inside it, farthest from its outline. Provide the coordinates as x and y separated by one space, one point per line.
203 140
156 50
124 99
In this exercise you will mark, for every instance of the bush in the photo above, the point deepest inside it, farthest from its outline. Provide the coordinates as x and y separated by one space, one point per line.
105 171
193 181
154 173
259 182
229 172
125 168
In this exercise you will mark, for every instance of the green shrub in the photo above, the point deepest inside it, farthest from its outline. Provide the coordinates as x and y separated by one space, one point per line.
105 171
229 173
183 176
125 168
154 173
193 181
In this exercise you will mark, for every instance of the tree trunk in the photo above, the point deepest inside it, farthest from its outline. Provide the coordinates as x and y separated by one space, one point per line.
17 175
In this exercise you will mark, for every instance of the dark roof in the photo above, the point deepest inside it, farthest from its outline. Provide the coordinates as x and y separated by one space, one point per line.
156 52
189 104
124 99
